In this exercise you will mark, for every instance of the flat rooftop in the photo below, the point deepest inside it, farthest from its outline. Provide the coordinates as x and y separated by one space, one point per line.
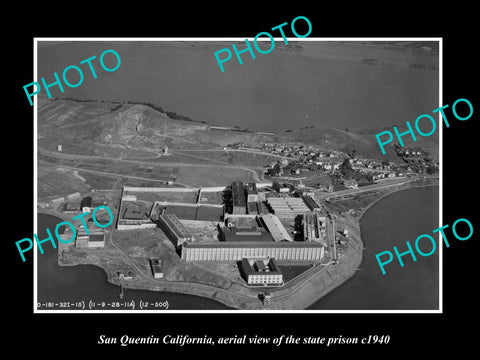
175 225
253 244
96 237
238 194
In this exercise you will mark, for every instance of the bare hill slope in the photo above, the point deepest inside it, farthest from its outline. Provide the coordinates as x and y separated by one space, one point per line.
93 124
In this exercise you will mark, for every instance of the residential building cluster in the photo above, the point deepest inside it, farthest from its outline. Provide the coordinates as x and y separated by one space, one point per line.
298 150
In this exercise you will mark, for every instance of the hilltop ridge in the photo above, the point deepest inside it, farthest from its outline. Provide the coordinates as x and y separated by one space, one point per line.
141 126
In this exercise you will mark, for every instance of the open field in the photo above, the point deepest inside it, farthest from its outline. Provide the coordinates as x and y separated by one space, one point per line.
102 182
179 157
58 180
55 182
356 203
213 176
189 197
237 157
291 271
211 197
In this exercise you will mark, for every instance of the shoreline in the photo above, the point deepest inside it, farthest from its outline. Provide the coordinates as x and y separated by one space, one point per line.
364 210
298 294
305 290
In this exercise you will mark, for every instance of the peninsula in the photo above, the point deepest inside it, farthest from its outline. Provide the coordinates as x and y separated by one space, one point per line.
252 220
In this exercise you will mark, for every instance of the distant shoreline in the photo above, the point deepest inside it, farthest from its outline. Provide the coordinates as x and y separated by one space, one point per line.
364 210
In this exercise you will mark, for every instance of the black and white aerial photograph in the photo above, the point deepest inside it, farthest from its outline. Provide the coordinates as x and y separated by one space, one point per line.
227 181
259 187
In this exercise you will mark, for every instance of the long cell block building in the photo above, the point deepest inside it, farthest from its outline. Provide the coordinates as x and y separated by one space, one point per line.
174 229
235 251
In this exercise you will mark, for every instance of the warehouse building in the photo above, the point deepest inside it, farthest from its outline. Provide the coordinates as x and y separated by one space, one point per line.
94 239
251 191
275 227
311 203
174 229
237 250
252 198
287 207
314 226
57 201
72 207
86 204
238 198
261 271
72 196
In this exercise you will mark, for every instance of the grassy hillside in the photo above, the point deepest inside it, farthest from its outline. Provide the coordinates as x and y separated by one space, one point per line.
137 130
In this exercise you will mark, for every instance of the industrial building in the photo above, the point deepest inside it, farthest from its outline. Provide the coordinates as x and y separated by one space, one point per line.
311 203
314 226
174 229
237 250
57 201
273 224
156 266
252 198
287 207
261 271
251 191
94 239
71 207
72 196
86 204
238 198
